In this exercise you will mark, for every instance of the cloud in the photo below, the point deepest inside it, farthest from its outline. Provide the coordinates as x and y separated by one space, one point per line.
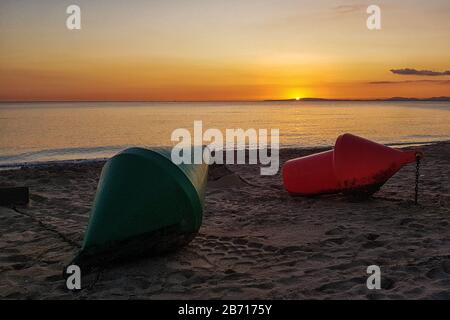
414 72
348 8
411 81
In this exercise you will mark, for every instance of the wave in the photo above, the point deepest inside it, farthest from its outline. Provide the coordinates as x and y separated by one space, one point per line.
60 154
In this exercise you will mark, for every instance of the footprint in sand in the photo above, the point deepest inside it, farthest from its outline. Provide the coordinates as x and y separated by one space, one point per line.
440 272
336 241
387 283
339 230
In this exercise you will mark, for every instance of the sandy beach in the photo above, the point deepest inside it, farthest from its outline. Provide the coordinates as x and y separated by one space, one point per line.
256 241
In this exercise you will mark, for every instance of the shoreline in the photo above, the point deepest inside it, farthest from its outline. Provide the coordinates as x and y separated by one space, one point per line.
38 163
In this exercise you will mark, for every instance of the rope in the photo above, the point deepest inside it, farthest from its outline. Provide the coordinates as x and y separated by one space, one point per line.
416 191
48 228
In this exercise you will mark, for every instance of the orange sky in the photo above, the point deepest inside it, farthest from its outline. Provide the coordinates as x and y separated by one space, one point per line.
222 50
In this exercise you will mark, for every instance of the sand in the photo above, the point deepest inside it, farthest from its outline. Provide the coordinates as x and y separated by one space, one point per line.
256 241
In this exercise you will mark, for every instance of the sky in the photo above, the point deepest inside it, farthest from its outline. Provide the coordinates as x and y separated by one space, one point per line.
223 50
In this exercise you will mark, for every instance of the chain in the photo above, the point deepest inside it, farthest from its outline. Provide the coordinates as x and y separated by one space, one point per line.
416 195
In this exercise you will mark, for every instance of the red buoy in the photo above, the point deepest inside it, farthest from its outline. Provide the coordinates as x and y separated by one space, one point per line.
354 165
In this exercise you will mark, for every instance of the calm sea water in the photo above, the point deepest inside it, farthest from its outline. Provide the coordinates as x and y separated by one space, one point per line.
31 132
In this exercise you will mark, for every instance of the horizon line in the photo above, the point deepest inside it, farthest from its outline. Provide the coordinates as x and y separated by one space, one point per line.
306 99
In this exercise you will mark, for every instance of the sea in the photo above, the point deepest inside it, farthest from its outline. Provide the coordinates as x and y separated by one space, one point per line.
33 133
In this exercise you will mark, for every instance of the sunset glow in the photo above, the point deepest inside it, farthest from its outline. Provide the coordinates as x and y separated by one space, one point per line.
221 50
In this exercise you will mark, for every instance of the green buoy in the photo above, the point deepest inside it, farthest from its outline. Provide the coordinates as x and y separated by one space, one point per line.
145 204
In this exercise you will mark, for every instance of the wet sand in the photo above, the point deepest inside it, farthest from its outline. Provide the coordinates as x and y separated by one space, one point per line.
256 241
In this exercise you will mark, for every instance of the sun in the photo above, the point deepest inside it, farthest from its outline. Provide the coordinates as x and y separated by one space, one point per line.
296 94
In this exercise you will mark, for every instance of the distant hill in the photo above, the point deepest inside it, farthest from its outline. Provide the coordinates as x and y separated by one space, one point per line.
388 99
415 99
